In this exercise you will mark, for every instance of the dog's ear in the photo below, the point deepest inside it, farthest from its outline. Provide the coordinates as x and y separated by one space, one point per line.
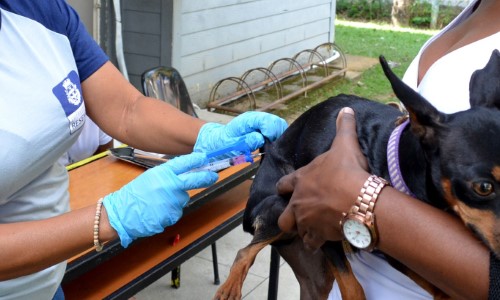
484 86
424 118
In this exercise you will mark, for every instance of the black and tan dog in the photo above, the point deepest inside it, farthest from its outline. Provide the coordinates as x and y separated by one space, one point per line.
449 160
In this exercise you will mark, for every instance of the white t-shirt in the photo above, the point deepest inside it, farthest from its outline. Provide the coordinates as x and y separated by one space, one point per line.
45 53
446 86
91 137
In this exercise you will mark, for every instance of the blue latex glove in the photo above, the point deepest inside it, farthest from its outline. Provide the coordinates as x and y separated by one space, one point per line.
156 198
252 125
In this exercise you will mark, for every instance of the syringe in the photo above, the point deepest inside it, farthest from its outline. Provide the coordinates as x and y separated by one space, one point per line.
222 164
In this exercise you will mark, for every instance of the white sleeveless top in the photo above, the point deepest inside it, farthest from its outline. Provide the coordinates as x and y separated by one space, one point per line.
446 83
446 86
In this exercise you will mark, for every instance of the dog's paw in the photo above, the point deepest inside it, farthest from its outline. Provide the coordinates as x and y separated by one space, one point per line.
228 291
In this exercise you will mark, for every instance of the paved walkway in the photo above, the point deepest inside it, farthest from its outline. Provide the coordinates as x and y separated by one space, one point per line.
197 274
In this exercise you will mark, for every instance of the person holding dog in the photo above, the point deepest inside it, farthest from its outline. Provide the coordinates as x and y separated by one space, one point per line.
429 241
52 75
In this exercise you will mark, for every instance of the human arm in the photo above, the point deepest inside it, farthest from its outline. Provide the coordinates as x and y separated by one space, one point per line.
150 124
153 125
28 247
124 113
143 207
429 241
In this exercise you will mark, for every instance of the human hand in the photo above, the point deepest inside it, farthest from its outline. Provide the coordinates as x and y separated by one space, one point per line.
325 188
156 198
254 126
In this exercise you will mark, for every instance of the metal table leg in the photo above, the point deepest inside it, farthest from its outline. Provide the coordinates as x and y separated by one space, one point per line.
274 275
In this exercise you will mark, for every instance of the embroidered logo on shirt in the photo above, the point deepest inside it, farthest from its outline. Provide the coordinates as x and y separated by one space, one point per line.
72 92
69 94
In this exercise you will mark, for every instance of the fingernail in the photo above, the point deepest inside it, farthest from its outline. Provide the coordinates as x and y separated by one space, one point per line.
348 110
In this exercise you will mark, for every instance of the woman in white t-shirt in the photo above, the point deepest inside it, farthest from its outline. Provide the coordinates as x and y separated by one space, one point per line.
451 258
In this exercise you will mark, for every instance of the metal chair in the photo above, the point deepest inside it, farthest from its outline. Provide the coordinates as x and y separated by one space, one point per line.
166 83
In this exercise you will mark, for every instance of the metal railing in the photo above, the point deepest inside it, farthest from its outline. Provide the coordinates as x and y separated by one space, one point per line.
238 94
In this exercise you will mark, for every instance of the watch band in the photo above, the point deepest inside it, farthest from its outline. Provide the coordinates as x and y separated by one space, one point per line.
362 210
365 202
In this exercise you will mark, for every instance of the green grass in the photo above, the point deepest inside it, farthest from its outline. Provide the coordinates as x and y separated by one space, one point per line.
370 40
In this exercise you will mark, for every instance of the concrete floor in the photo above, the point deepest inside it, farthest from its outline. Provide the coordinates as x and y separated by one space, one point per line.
197 274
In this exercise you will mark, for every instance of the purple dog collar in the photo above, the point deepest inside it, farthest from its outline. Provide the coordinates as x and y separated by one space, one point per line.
397 180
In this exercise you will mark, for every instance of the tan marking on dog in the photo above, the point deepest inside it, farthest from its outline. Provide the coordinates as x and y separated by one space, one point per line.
349 286
415 126
496 173
483 221
448 195
257 223
231 289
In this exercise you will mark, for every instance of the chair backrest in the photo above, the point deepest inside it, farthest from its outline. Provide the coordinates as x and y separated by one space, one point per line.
165 83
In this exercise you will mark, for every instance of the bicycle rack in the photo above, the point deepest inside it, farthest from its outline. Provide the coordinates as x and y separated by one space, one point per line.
235 90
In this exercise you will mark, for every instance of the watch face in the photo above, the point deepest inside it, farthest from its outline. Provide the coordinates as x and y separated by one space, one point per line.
357 234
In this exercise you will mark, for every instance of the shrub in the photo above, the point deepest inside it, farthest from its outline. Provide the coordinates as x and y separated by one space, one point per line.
364 10
380 11
421 14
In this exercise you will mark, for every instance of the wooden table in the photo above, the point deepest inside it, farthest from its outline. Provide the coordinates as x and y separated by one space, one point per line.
120 273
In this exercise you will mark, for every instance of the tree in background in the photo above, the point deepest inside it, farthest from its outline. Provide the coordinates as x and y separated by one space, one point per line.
400 14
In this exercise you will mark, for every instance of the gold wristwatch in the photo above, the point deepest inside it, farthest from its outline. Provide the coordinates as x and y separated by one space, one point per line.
358 224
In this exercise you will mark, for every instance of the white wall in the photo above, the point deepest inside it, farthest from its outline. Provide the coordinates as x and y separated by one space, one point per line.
221 38
215 39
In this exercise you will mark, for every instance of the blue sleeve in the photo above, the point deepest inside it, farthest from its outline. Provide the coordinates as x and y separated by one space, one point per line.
60 17
88 54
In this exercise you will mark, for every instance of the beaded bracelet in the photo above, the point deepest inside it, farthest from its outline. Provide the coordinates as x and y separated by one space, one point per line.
97 218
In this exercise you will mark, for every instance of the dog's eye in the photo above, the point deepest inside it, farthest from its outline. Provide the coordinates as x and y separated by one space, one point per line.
482 188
